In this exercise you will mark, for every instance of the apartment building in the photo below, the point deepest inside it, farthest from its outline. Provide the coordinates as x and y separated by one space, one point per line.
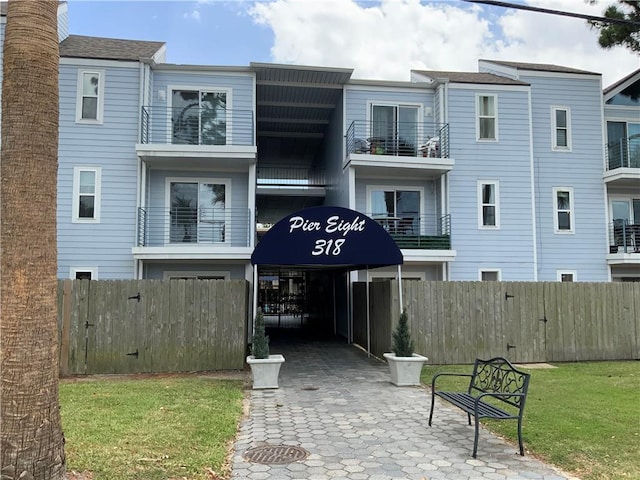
516 172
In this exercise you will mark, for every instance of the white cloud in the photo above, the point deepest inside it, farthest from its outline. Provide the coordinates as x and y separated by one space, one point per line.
385 40
193 15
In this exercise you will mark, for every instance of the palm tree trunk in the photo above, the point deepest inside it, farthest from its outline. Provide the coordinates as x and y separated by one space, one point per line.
31 440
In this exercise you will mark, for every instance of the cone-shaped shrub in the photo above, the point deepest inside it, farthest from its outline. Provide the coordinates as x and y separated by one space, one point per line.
260 342
402 343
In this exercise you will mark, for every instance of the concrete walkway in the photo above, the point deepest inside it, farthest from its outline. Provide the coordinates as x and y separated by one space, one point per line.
339 406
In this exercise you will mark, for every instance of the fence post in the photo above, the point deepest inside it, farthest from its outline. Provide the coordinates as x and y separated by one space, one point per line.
65 334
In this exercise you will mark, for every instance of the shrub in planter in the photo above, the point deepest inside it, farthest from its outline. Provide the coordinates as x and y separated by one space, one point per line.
404 365
265 368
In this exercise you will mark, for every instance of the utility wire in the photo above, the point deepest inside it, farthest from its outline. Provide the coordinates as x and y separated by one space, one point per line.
591 18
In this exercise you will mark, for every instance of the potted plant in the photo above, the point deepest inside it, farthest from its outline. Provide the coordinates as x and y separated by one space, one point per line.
264 367
404 364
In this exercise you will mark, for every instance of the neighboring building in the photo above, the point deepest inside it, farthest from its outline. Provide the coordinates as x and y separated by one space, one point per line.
518 172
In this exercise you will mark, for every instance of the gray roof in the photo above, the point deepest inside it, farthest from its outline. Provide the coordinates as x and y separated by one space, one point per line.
470 77
539 67
610 88
79 46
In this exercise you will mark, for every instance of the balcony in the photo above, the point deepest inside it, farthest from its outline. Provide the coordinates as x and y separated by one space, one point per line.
194 132
416 145
624 243
623 162
185 232
413 231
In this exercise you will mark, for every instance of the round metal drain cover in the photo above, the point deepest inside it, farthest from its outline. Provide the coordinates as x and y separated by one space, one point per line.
275 454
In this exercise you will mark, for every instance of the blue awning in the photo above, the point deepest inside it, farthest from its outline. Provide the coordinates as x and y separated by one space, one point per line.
327 237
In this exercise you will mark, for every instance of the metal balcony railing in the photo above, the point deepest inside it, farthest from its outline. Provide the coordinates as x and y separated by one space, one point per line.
218 226
623 153
411 139
430 232
196 126
624 237
295 177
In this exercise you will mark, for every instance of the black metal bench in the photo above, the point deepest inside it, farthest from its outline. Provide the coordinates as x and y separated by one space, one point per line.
491 379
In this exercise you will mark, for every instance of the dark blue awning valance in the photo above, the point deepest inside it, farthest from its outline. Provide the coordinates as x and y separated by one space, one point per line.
327 236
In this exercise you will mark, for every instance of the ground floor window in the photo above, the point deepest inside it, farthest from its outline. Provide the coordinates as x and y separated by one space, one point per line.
490 275
84 273
566 275
197 276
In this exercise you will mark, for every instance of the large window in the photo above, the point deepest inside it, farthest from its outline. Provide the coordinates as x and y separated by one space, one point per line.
563 206
487 113
623 144
398 210
199 117
488 205
90 96
197 211
86 195
394 129
561 127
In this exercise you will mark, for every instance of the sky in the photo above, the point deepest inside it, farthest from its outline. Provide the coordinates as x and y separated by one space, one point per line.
381 39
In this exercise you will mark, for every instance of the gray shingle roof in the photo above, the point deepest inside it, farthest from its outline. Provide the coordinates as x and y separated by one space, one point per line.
540 67
471 77
79 46
612 87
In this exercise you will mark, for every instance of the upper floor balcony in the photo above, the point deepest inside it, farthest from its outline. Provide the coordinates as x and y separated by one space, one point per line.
415 231
623 161
194 132
193 232
418 145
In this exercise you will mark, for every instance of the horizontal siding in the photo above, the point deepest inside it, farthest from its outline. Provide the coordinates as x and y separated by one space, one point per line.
581 169
110 146
507 161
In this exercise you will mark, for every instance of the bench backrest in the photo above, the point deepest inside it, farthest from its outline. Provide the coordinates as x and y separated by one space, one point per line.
499 376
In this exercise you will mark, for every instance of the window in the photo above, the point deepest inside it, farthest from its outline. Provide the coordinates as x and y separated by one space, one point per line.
563 204
397 210
90 97
198 211
394 129
86 195
199 117
561 129
487 126
566 275
84 273
490 275
488 205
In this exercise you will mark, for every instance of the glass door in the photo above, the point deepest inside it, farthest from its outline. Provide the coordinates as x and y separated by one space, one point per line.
198 117
197 212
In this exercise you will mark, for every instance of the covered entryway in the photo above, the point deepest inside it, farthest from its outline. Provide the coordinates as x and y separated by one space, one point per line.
302 265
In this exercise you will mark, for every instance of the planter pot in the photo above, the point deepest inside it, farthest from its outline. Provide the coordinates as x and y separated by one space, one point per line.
265 371
405 371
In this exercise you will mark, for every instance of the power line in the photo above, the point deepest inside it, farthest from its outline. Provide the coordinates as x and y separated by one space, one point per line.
592 18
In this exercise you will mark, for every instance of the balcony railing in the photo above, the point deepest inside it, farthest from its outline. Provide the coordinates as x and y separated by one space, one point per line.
193 226
624 237
411 139
429 232
294 177
196 126
624 153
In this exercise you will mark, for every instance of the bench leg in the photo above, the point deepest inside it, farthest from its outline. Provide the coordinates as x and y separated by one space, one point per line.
520 436
433 400
475 440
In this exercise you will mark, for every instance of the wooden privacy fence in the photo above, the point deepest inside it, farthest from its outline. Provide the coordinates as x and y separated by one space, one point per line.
131 326
456 322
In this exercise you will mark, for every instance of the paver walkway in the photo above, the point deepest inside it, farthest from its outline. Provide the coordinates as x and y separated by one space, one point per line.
338 404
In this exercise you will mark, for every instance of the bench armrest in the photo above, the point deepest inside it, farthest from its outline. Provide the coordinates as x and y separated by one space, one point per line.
445 374
499 396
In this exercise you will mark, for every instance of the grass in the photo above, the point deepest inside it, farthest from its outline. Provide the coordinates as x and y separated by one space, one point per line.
150 428
581 417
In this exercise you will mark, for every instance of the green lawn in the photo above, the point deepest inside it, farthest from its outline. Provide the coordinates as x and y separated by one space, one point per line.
151 428
581 417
